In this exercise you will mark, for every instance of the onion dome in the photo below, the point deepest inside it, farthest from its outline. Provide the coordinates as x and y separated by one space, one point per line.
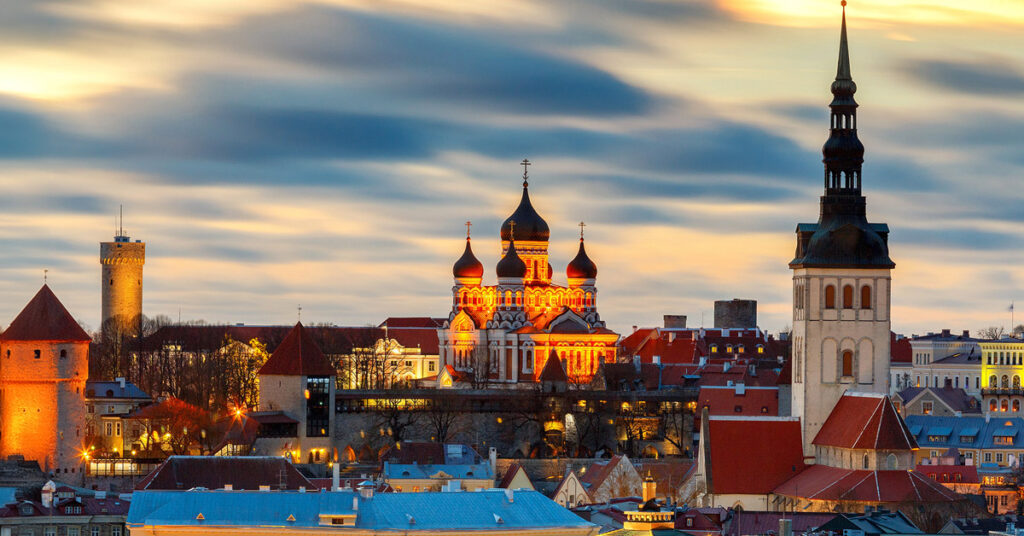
511 266
468 265
581 267
529 225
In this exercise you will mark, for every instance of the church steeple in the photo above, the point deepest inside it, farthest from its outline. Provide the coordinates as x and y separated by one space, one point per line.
843 152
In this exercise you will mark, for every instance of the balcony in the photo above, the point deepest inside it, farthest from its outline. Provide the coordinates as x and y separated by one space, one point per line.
1002 391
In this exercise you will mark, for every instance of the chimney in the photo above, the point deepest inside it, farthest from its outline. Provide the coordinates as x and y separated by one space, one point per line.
650 488
634 329
656 359
355 503
946 333
741 389
703 360
509 494
121 381
726 366
492 455
785 527
674 321
336 478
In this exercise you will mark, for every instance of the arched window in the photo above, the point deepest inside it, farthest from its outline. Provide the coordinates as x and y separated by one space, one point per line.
714 349
865 297
1016 405
866 461
891 462
1004 405
992 405
847 363
1016 381
63 354
993 382
1005 382
848 297
830 297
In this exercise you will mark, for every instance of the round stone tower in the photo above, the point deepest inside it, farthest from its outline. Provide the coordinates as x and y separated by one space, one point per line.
44 363
121 282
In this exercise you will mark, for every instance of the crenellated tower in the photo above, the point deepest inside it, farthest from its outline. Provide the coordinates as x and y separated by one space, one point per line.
841 277
121 282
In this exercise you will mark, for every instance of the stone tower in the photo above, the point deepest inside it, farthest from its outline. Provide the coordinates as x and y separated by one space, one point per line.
44 363
841 278
121 281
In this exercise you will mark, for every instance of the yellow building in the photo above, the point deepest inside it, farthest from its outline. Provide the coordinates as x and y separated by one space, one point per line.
1002 367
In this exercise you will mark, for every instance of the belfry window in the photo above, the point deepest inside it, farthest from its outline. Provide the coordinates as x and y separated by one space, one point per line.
830 297
865 297
847 364
847 297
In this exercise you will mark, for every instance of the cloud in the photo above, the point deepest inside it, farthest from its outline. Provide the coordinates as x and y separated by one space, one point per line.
977 77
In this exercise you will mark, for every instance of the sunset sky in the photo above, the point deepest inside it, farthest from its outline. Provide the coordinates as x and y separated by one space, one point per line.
277 152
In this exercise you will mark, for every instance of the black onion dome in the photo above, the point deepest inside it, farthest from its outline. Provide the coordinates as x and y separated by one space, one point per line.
843 147
511 265
581 267
468 265
529 225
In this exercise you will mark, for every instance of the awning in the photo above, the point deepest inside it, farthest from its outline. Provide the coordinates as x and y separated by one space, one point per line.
941 431
1005 432
969 432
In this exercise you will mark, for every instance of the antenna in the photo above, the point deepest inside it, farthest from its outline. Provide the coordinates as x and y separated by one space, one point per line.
121 217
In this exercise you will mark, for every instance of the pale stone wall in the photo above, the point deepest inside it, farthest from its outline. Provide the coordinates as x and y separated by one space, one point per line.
287 394
822 335
121 280
42 404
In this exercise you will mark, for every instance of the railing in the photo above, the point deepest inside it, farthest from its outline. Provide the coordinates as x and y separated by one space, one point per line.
1006 391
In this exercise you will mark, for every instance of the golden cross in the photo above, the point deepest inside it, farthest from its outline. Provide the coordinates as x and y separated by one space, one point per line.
468 225
582 225
512 230
525 163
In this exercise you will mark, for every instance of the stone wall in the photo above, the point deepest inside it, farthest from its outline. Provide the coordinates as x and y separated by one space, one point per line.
736 313
121 281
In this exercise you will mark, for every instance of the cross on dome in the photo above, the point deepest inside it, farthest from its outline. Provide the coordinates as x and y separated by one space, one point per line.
468 225
582 225
512 230
526 173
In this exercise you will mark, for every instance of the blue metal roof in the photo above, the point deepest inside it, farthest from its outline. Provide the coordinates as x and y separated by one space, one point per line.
460 472
100 389
466 511
940 431
967 432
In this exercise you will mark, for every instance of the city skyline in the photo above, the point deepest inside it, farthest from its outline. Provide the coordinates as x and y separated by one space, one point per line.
280 165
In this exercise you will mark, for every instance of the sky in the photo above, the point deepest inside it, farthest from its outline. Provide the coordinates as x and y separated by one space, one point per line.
273 153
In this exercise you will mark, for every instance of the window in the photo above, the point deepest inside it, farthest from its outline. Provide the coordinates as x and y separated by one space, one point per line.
830 297
992 405
848 297
109 428
73 531
847 363
431 367
891 462
760 349
714 348
50 531
993 382
1004 405
926 408
737 409
63 354
865 297
866 461
94 530
999 457
37 354
988 457
115 531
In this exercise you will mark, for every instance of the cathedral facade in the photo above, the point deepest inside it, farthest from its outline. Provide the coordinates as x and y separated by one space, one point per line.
505 333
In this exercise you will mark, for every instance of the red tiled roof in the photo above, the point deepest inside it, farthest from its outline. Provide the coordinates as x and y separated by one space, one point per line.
725 400
944 474
272 417
786 374
45 319
668 474
631 343
699 524
422 338
166 409
753 455
900 350
865 421
823 483
552 371
597 472
297 355
393 322
214 472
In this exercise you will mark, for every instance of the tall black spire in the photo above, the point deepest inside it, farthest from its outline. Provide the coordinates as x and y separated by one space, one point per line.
843 152
843 237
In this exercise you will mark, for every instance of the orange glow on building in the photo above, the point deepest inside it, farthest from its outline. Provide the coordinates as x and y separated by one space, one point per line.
510 329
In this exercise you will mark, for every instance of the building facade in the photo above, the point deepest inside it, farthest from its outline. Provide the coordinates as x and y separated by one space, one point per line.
504 333
841 278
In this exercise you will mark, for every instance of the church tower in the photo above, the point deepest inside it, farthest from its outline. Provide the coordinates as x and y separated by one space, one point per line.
841 277
121 281
44 363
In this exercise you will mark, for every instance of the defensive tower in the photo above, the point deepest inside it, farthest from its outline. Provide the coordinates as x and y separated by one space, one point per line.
121 282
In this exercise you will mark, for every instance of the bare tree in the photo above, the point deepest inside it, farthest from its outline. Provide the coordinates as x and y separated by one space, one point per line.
445 416
396 419
485 367
992 332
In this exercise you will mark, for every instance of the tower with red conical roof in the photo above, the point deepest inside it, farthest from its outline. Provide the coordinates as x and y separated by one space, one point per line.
297 382
44 364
